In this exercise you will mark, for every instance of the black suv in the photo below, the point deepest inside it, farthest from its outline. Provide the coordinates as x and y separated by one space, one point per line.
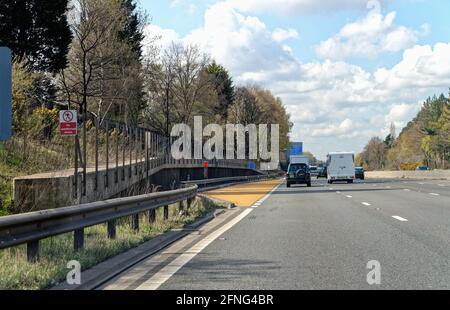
298 174
359 173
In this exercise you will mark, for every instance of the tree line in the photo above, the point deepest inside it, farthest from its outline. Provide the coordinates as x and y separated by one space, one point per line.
424 141
88 55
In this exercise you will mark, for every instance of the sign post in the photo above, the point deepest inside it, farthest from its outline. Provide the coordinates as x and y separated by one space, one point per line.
5 94
205 169
68 123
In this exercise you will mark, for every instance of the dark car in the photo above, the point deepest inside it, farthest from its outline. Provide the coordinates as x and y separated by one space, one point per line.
359 173
313 171
298 174
322 172
422 168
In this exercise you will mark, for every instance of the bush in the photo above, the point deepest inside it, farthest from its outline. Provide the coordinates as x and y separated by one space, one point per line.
409 166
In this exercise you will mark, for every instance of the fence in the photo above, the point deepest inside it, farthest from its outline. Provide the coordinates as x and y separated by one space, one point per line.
31 227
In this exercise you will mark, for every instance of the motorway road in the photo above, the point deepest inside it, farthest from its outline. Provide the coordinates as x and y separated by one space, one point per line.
315 238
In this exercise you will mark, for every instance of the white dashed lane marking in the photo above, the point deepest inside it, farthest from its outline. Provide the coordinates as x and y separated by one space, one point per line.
401 219
348 196
366 204
434 194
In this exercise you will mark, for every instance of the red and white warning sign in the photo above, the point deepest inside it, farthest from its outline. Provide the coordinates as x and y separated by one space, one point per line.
68 123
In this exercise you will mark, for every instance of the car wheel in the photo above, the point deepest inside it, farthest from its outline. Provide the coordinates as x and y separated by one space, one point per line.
309 184
288 185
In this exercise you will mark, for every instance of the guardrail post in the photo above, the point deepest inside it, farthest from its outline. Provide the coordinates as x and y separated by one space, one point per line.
181 206
112 229
151 216
33 251
166 212
78 239
135 222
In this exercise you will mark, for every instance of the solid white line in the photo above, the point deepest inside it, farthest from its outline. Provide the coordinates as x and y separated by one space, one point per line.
338 192
388 187
434 194
348 196
366 204
401 219
442 185
270 193
420 183
168 271
407 190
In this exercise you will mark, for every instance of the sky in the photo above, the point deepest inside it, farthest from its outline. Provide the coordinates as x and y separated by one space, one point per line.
345 69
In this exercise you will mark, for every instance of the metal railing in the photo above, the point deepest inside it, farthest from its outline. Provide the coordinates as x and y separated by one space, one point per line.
30 228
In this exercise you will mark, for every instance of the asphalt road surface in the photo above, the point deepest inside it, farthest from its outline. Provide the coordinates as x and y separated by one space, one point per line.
321 237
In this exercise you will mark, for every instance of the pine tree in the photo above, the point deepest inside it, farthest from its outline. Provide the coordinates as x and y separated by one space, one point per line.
223 85
36 30
132 32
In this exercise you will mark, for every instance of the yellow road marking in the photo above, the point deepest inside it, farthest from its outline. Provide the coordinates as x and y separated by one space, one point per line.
244 195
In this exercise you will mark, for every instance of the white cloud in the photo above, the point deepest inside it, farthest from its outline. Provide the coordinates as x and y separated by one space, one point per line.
401 114
334 105
281 35
242 43
163 37
421 67
369 37
335 130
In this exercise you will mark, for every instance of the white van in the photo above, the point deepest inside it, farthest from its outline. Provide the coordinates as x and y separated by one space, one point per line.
299 159
341 167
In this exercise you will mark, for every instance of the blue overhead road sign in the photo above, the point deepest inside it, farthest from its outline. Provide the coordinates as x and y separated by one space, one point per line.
5 94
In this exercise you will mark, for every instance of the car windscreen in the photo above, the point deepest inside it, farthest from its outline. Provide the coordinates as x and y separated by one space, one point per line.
359 170
296 167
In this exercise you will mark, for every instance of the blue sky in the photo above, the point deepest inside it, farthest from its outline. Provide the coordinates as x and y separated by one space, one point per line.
344 69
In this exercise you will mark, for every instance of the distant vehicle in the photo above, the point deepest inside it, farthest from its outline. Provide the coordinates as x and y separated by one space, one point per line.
313 170
299 159
298 174
341 167
359 173
322 172
422 168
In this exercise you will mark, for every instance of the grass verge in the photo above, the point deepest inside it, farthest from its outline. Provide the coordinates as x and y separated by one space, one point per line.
55 252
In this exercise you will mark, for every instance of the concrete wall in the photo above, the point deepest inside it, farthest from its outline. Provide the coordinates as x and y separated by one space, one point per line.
55 190
431 175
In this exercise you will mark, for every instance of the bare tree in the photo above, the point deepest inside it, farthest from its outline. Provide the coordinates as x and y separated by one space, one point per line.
176 84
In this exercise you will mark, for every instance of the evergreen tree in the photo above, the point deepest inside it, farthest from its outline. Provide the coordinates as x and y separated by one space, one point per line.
36 30
223 85
132 32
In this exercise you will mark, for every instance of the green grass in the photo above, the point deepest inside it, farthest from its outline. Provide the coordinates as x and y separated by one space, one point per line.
9 168
55 252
